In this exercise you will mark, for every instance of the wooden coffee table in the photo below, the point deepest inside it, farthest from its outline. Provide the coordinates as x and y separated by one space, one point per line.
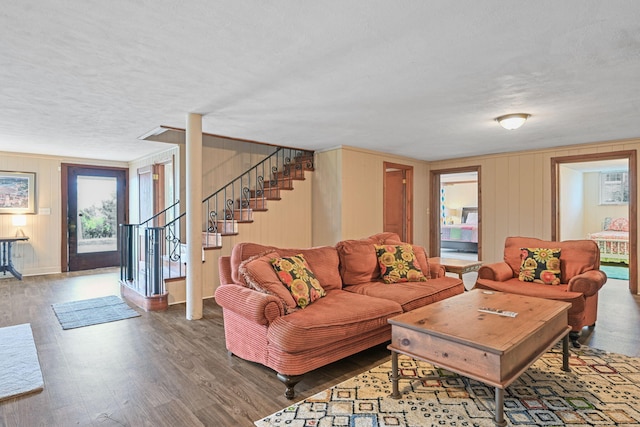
487 347
457 266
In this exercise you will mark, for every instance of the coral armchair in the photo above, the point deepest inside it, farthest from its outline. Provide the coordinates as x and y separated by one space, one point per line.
579 277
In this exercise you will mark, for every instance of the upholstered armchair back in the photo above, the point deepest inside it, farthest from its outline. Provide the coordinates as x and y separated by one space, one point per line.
576 256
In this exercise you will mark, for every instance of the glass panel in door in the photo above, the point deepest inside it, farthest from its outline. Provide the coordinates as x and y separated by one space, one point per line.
97 214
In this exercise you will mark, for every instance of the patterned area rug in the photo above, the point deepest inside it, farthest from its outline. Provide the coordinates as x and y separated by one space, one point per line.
76 314
601 389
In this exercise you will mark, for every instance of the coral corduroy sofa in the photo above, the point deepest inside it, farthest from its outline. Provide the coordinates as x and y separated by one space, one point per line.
263 325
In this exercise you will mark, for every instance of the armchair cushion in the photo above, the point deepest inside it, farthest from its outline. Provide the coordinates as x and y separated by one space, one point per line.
580 276
577 256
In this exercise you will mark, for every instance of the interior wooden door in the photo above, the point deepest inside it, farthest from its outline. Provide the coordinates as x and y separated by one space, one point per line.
398 200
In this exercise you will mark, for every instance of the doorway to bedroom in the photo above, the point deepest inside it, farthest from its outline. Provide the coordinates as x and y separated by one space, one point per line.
457 225
595 199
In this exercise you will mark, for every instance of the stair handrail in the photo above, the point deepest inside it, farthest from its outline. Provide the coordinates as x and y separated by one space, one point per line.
177 202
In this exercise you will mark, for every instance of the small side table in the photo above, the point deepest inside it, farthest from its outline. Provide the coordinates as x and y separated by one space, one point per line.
6 260
457 266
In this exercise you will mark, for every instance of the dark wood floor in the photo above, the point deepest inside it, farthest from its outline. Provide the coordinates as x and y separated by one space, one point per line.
163 370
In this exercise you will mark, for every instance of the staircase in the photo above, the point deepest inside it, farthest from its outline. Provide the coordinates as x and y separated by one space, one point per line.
151 256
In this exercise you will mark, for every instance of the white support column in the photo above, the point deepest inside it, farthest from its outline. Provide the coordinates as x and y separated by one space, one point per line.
194 216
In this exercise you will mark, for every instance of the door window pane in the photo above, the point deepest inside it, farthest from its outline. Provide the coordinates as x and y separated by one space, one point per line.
97 214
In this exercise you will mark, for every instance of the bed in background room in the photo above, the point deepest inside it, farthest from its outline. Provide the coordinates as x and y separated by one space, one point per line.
613 240
464 236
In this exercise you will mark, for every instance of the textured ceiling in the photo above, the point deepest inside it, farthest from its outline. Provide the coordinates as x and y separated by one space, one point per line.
423 79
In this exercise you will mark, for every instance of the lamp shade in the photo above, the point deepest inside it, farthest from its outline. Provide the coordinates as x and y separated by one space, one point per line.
19 220
512 121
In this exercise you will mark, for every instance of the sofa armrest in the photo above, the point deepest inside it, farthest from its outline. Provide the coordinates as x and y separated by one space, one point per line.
436 270
588 283
499 272
253 305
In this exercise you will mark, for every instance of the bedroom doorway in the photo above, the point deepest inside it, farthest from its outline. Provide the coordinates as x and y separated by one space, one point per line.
455 219
594 197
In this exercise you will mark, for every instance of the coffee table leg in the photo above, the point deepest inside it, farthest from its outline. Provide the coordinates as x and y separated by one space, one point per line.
499 420
395 394
565 353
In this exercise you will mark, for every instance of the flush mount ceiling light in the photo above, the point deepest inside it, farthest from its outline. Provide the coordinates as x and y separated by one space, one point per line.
512 121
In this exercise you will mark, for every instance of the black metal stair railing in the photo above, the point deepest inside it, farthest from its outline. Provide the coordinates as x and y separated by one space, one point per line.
248 193
144 267
141 252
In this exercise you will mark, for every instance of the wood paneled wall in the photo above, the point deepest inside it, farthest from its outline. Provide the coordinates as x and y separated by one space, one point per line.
42 253
516 191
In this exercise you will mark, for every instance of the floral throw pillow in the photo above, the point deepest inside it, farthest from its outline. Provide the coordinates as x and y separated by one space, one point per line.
295 274
398 264
540 265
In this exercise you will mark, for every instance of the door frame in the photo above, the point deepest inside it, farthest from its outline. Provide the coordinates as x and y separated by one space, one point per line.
64 201
434 206
408 199
631 157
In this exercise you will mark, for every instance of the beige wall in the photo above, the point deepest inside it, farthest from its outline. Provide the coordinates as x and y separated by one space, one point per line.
516 191
42 253
352 179
459 195
572 206
327 197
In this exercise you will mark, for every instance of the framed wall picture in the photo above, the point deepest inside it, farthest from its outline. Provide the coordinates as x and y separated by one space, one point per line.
17 192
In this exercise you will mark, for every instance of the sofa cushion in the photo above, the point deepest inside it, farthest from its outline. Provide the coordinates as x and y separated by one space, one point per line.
359 262
336 317
411 295
540 265
241 252
322 260
258 273
384 238
398 264
295 274
423 260
577 256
